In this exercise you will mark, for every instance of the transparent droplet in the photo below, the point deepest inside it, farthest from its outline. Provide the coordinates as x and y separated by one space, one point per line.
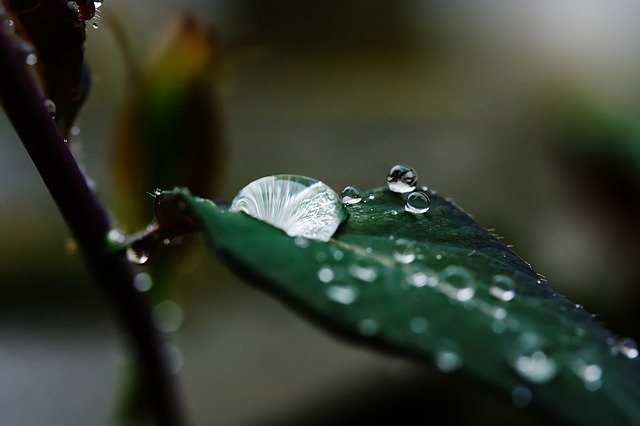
417 203
627 347
142 282
95 25
326 274
368 327
447 358
336 253
363 271
31 59
459 282
168 316
503 288
422 278
116 236
587 367
50 106
351 195
402 179
404 251
344 295
139 257
418 325
521 396
298 205
301 242
529 359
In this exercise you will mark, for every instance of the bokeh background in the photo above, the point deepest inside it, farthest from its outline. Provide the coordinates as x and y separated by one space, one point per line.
526 113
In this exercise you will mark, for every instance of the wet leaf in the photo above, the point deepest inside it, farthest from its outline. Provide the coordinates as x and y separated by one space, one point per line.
438 287
57 33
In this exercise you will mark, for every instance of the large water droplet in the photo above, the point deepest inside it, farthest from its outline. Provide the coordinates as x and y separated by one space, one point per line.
503 288
458 282
627 347
529 359
402 178
351 195
344 295
417 203
298 205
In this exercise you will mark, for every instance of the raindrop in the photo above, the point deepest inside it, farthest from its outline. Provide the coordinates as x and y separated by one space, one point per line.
627 347
418 325
50 106
298 205
344 295
168 316
404 251
142 282
417 203
461 282
351 195
402 179
521 396
368 327
31 59
530 361
326 274
503 288
363 271
139 257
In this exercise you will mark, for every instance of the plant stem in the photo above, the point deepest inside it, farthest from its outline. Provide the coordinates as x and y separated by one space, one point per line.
89 223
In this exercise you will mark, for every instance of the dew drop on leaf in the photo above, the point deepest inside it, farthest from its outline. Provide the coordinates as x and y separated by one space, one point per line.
404 251
351 195
447 358
50 106
529 359
139 257
363 271
402 179
298 205
587 367
457 282
502 288
345 295
326 274
368 327
627 347
417 203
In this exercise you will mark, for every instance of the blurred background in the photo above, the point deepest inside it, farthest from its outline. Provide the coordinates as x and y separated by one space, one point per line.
526 113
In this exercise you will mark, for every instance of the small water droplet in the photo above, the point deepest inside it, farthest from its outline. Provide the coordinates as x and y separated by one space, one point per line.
371 197
521 396
168 316
116 236
402 179
404 251
447 358
529 359
417 203
142 282
321 256
95 25
351 195
75 131
326 274
301 242
298 205
368 327
627 347
344 295
139 257
461 281
422 278
586 365
438 257
336 253
50 106
363 271
418 325
503 288
31 59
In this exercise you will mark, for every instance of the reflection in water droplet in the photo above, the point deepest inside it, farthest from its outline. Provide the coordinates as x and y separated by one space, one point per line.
344 295
503 288
586 365
363 271
298 205
138 257
521 396
351 195
402 179
418 325
168 316
368 327
529 360
417 203
326 274
142 282
627 347
50 106
461 282
404 251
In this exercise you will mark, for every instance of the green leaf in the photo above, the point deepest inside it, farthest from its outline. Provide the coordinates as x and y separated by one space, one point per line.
359 285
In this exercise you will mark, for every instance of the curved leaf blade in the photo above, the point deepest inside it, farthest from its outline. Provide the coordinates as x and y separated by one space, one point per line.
388 310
